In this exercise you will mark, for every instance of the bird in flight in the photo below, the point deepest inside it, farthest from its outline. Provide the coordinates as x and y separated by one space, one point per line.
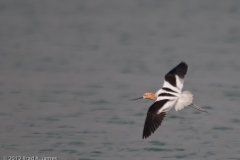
165 98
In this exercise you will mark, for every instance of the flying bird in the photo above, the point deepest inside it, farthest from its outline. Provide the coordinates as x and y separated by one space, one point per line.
165 98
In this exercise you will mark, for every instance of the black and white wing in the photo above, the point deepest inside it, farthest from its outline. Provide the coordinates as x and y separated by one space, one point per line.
174 79
155 116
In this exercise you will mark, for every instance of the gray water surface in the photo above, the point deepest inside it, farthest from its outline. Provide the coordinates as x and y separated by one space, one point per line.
69 68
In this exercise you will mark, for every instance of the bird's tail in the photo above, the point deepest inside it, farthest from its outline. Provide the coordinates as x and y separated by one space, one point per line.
186 99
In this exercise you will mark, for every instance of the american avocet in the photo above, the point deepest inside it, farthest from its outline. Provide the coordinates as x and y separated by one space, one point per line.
165 98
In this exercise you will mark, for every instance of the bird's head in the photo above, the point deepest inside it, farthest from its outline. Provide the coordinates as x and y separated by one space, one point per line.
150 96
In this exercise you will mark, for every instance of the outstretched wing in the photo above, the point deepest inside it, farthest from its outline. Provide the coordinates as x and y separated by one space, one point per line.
174 79
155 116
152 123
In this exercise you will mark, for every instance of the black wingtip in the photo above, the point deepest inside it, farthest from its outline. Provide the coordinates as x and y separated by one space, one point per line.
145 136
184 63
180 70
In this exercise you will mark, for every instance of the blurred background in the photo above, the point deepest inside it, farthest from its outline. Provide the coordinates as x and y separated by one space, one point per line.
69 68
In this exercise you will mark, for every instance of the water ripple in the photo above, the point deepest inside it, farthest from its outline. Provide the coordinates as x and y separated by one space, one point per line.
222 128
157 143
157 149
